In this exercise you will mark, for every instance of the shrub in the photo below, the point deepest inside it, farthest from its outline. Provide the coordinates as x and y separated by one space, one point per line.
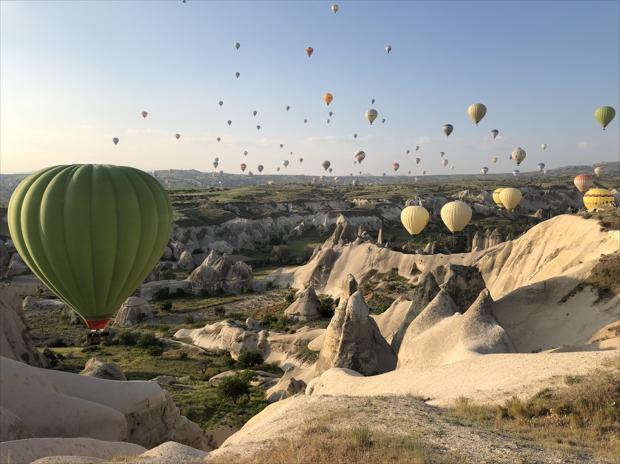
290 296
280 254
161 294
126 338
219 310
250 359
234 388
165 306
189 319
155 350
148 339
56 343
183 355
326 306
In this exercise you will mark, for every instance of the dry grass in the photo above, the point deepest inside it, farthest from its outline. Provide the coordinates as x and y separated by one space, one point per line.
583 415
321 444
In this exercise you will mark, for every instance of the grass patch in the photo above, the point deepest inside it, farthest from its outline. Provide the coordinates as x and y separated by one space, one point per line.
583 415
320 444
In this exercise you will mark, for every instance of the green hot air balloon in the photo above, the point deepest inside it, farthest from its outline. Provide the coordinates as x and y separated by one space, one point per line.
91 233
604 115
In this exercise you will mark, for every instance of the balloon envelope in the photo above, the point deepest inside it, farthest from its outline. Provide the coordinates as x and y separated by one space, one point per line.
456 215
371 115
309 51
583 182
598 198
476 112
604 115
510 198
497 198
328 98
115 140
91 233
414 219
518 155
447 129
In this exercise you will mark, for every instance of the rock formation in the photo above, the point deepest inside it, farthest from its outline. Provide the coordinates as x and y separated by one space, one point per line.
133 311
80 406
220 274
15 341
353 340
439 338
463 283
305 307
186 262
477 243
32 303
103 370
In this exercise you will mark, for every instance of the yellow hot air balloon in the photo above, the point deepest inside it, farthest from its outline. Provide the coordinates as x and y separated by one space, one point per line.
371 115
510 198
496 197
596 199
476 112
327 98
414 219
456 215
335 8
494 159
604 115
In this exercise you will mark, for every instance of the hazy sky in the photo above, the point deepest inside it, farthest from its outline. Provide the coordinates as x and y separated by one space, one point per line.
76 74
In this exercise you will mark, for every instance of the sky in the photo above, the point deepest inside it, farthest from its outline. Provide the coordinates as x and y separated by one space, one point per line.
76 74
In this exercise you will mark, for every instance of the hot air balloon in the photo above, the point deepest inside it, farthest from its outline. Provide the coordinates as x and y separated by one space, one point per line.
496 197
326 165
254 113
219 139
383 121
335 8
598 171
215 164
494 159
494 133
417 147
484 170
372 102
447 129
328 98
328 121
115 140
583 182
330 170
144 114
414 219
598 198
423 173
237 45
278 169
604 115
237 74
245 153
354 136
309 51
178 136
388 48
291 153
442 154
395 166
92 262
518 155
444 162
281 145
331 113
407 151
301 160
510 198
541 166
220 103
260 168
229 122
285 163
243 167
476 112
371 115
257 127
543 146
383 174
516 172
417 160
217 159
409 172
456 215
305 121
288 107
359 156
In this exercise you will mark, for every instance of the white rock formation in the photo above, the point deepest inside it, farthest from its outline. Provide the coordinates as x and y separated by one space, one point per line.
32 303
305 307
133 311
103 370
221 274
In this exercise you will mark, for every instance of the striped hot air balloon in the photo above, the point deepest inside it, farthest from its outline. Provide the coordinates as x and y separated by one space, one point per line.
604 115
583 182
476 112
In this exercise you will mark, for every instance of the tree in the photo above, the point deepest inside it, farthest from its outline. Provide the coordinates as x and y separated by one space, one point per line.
249 359
234 388
280 254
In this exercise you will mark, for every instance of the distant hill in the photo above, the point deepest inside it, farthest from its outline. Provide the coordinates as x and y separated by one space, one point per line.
179 179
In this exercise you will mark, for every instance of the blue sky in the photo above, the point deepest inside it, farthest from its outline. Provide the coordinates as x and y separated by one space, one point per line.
74 75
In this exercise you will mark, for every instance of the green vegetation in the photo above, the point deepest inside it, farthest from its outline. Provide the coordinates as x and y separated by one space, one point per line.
235 387
250 359
583 414
381 289
320 443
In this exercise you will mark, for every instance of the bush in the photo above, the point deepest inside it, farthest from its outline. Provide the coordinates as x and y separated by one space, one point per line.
126 338
280 254
326 306
290 295
219 310
234 388
189 319
155 350
161 294
147 339
56 343
165 306
249 359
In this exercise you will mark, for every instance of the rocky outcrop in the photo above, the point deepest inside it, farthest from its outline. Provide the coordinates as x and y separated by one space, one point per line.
12 427
305 307
186 261
463 283
103 370
220 274
353 340
477 242
133 311
159 288
15 341
440 338
16 266
81 406
32 303
494 238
